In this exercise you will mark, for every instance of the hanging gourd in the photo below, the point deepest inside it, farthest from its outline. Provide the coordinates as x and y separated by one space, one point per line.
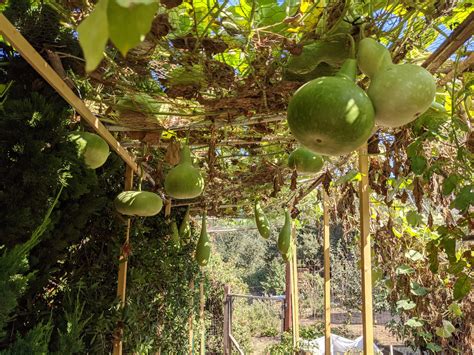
400 93
184 181
331 115
138 203
91 147
287 257
261 220
175 235
284 238
185 227
305 161
203 248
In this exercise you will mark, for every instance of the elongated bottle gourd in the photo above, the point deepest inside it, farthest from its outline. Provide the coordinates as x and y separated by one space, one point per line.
203 248
284 238
185 227
91 147
287 257
331 115
399 92
261 220
184 181
138 203
175 235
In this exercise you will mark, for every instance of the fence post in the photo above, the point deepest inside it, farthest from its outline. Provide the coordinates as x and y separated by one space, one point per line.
327 276
123 265
201 317
295 292
226 320
366 268
191 321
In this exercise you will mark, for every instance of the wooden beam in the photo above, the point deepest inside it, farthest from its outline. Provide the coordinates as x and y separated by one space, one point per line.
123 265
288 320
227 345
295 293
455 40
202 322
365 251
455 72
44 69
191 321
327 276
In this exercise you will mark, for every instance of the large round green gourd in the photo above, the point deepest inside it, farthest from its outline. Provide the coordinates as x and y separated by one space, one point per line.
91 147
305 161
184 181
331 115
203 248
400 93
138 203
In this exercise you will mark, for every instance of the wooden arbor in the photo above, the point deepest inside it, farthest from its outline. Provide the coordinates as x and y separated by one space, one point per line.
451 44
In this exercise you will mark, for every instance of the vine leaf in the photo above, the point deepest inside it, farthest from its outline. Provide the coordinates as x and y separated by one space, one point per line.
93 34
405 305
446 330
414 219
414 323
433 347
414 255
464 198
417 289
128 26
449 184
404 270
455 309
462 287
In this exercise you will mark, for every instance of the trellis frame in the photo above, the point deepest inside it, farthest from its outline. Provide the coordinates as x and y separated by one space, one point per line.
446 49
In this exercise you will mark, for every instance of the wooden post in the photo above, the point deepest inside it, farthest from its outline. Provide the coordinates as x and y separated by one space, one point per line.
366 268
191 320
44 69
201 317
226 320
288 321
296 318
123 265
327 276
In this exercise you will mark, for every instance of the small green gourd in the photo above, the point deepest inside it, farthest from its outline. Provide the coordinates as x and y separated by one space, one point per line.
184 181
287 257
138 203
203 248
185 227
175 235
261 220
305 161
284 238
91 147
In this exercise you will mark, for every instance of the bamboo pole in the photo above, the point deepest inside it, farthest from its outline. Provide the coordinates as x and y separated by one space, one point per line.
227 305
44 69
327 276
288 320
191 321
296 317
366 268
123 265
201 317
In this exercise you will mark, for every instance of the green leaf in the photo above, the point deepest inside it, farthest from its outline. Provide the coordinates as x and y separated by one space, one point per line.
455 309
434 347
93 34
457 267
464 198
450 183
414 255
414 323
418 164
128 26
449 245
417 289
404 270
351 175
405 305
446 330
462 287
414 219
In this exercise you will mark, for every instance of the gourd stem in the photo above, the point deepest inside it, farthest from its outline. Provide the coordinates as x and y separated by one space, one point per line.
185 155
362 30
353 46
348 70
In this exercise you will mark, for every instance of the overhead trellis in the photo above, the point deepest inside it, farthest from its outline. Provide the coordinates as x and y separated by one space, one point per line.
220 73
